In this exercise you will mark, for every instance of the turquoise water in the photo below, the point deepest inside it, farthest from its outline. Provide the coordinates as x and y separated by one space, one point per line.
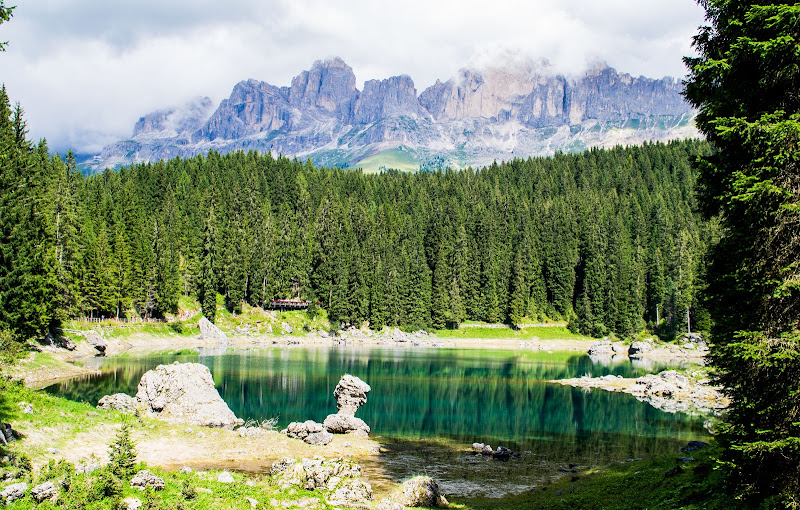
428 405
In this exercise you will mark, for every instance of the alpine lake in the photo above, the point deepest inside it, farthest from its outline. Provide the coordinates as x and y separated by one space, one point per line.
427 406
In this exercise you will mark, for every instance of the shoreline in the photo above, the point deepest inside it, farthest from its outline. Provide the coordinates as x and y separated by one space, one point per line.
61 365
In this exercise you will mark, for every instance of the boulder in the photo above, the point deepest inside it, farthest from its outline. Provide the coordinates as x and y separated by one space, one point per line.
350 394
25 407
118 402
320 438
601 348
312 474
342 424
225 477
619 347
287 328
8 434
47 490
309 431
419 491
185 393
144 479
210 331
96 341
351 492
86 467
280 466
639 348
132 503
693 446
186 470
14 492
59 341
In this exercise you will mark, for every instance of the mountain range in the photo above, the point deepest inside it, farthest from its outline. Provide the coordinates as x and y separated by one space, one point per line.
474 118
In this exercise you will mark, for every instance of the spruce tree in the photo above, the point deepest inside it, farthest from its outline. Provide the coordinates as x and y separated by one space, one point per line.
744 83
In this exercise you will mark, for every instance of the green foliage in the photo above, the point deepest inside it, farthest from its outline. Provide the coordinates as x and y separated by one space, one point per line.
745 83
105 485
122 453
5 15
188 490
606 240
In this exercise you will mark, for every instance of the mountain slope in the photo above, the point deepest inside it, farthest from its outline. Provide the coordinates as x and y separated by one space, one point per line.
471 119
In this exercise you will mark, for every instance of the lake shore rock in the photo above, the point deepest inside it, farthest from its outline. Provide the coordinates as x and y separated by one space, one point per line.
210 331
309 431
668 391
350 394
118 402
185 392
420 491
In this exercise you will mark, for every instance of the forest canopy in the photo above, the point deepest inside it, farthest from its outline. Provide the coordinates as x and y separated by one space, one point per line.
607 239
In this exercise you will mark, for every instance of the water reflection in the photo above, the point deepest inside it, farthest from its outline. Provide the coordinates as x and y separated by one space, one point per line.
455 396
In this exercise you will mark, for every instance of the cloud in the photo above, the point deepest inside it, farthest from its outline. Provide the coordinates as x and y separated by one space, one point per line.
84 71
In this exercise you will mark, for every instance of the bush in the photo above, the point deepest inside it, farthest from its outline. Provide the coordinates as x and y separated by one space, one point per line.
176 326
188 491
106 486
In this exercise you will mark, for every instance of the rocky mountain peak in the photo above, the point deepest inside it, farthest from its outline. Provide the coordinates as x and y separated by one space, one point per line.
172 121
519 108
329 85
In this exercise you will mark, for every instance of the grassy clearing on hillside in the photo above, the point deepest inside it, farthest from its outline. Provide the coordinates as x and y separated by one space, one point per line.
541 333
396 159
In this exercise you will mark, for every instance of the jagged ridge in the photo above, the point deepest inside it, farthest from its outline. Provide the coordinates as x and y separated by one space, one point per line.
471 119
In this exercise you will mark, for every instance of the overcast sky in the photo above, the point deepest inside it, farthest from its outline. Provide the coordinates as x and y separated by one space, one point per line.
85 70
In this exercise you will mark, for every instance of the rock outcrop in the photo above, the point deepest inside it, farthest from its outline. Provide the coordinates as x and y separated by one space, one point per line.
309 431
46 490
118 402
480 114
144 479
668 391
185 393
350 394
13 492
338 479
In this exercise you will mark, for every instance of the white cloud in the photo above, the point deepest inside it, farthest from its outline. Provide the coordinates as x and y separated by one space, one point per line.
84 71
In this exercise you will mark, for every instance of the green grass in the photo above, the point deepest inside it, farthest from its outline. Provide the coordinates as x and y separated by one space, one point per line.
542 333
640 484
397 159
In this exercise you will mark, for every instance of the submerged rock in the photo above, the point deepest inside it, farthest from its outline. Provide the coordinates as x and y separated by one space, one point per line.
185 392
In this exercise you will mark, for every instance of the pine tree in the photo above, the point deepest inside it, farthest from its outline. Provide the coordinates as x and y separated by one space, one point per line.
744 83
207 289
